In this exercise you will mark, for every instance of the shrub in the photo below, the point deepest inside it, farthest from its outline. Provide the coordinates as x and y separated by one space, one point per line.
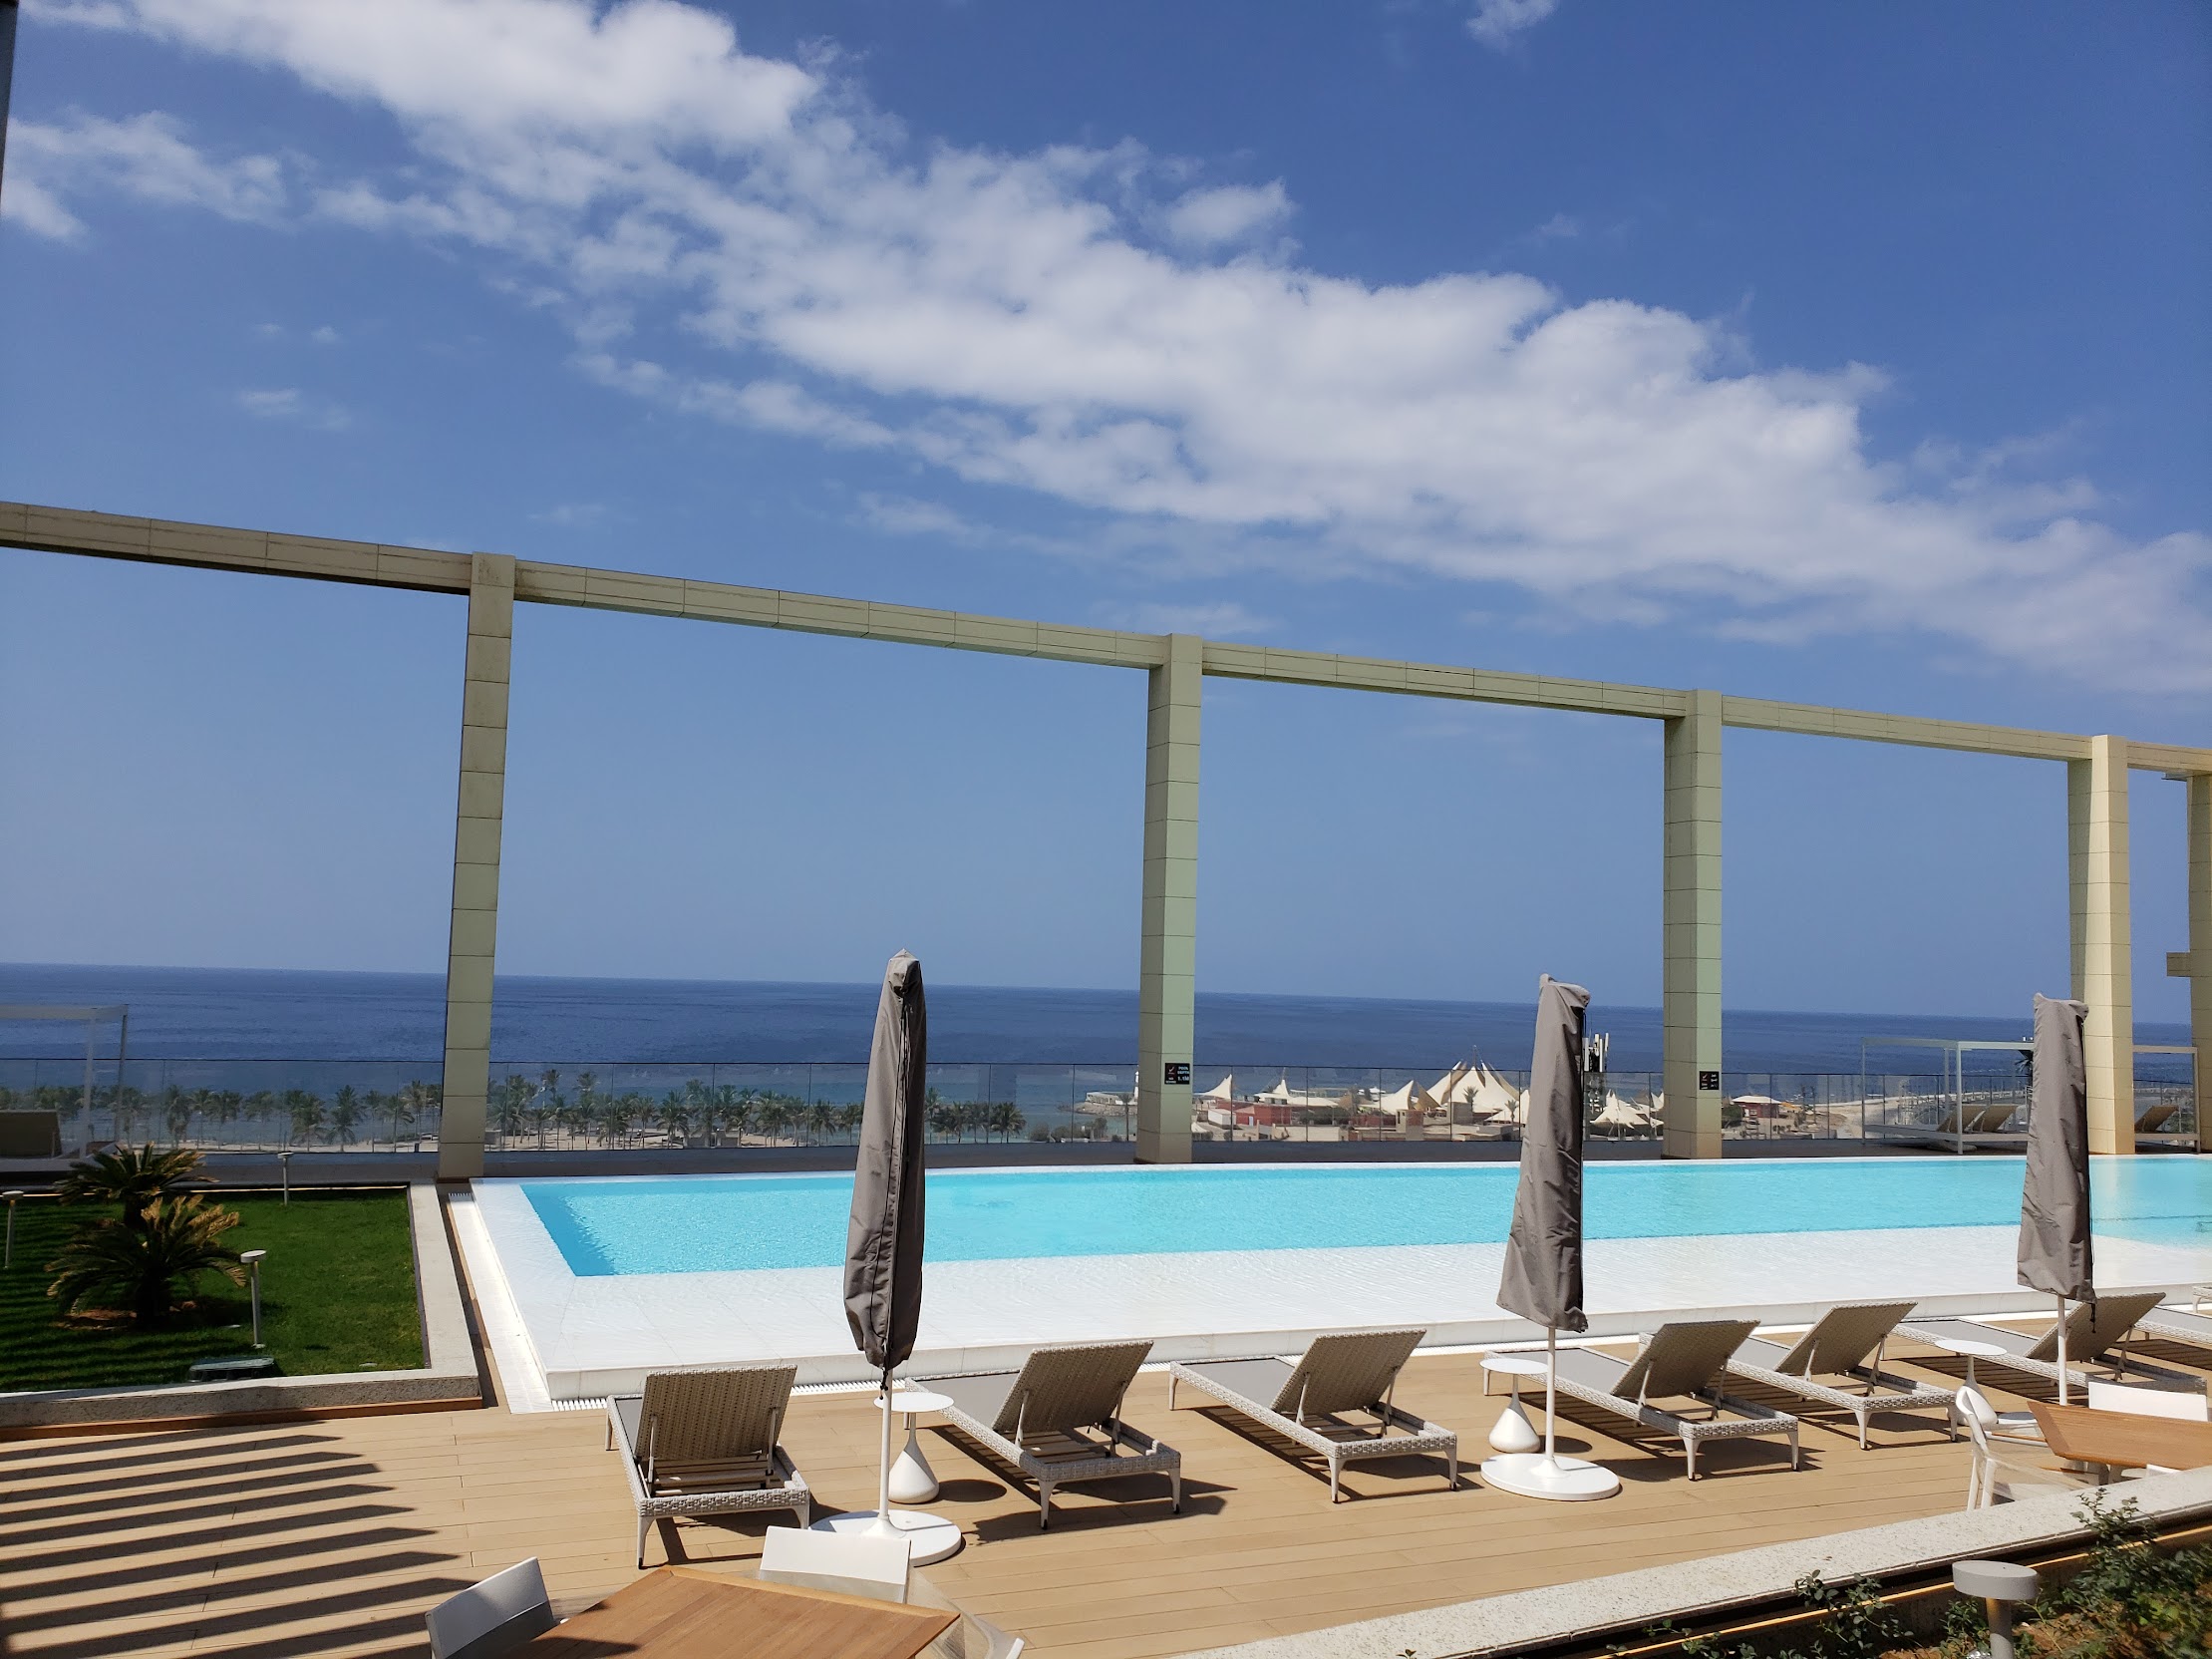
131 1177
147 1259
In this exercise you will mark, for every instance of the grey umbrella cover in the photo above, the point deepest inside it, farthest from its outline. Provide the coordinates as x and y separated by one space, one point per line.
2054 1198
1542 1280
883 1241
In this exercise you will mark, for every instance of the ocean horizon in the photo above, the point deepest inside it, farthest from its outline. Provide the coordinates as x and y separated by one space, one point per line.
321 1014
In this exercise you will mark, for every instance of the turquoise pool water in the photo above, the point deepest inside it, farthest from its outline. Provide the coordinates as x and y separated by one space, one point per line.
712 1223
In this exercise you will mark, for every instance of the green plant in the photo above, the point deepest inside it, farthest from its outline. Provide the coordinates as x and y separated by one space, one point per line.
146 1261
131 1176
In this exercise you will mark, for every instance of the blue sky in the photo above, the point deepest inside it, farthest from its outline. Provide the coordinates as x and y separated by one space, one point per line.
1831 353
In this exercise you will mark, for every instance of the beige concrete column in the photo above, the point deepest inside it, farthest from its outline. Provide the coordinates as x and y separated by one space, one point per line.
1168 966
2104 977
2200 947
477 826
1689 997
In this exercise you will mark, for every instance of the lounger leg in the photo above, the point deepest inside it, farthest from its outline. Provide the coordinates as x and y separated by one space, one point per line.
1690 1454
1175 1492
1336 1472
1452 1473
805 1509
1044 1505
1794 1450
1170 1391
644 1522
1862 1431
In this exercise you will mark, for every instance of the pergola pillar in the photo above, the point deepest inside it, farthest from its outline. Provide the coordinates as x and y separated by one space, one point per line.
1167 964
2096 850
477 826
2200 947
1690 990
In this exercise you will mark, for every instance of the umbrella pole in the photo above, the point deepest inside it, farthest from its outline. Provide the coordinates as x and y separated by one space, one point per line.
2062 1350
883 1521
1551 1389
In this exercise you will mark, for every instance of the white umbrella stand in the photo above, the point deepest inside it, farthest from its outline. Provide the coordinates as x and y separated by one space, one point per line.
1545 1473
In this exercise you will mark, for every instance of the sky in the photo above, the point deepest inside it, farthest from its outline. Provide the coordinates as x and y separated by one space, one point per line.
1842 354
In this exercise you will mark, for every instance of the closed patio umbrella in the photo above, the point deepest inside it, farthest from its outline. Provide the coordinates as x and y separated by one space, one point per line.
1542 1279
2054 1195
883 1240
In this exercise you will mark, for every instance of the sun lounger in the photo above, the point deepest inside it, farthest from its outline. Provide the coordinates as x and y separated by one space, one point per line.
1681 1360
702 1441
2178 1325
1307 1403
1847 1345
2094 1329
1059 1419
2155 1117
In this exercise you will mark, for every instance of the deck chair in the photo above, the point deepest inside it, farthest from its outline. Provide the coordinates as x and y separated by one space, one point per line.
1845 1345
2094 1330
1681 1360
1994 1479
702 1441
2187 1325
1353 1372
1059 1419
2155 1115
492 1617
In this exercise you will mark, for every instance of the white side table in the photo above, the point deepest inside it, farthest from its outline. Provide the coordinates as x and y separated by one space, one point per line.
1969 1351
928 1537
1512 1432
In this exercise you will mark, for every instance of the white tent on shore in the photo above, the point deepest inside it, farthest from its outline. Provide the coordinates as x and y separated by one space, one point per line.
1222 1092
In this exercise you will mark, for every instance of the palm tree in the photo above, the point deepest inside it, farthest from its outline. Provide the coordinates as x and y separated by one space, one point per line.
345 1114
736 1105
1007 1119
146 1264
772 1114
176 1114
674 1117
306 1111
131 1177
511 1098
944 1117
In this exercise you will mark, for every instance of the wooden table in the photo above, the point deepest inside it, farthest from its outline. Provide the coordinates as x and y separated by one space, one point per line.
2121 1439
683 1613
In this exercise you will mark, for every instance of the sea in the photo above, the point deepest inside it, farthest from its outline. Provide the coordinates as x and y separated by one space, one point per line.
284 1014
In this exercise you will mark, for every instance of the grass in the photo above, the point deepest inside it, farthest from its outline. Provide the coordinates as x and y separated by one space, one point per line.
337 1294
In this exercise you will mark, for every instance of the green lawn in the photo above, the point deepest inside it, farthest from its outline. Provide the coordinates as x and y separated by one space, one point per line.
337 1294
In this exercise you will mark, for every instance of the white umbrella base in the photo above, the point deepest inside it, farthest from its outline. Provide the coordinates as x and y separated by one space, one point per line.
1532 1475
928 1537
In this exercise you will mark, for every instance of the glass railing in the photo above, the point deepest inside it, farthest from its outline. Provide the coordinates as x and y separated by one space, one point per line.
383 1106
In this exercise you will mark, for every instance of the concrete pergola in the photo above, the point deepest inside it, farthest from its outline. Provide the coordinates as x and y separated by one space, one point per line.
1175 666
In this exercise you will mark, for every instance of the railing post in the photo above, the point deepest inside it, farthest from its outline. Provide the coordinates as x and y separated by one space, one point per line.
2200 947
477 831
2098 885
1167 963
1690 990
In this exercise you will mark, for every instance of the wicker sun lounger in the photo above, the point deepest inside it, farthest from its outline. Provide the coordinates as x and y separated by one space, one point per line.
702 1441
1683 1360
1059 1419
2178 1325
1846 1346
2094 1331
1309 1403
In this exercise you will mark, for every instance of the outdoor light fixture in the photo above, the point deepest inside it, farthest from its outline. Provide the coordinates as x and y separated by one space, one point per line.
252 1259
284 1165
11 1194
1999 1584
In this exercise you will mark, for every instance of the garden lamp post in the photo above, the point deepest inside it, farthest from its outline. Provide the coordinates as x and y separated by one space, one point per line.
11 1194
252 1259
284 1166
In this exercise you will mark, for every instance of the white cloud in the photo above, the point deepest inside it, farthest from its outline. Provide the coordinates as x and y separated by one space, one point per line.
1222 620
148 156
290 403
1496 22
747 240
1207 219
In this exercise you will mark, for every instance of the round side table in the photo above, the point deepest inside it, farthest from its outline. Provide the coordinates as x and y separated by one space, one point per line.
912 1480
1969 1351
1512 1432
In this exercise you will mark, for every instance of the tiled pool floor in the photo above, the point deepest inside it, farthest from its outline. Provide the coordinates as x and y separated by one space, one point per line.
560 1336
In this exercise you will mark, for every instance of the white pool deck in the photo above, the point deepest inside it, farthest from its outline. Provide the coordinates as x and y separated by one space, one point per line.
561 1337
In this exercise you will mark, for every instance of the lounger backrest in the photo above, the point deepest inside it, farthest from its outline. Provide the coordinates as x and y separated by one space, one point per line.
1070 1385
1681 1357
1345 1371
2093 1327
1843 1338
713 1414
2155 1119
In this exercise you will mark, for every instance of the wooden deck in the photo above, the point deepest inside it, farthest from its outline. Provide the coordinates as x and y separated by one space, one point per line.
331 1538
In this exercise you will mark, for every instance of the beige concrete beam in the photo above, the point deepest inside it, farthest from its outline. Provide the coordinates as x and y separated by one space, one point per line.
2101 944
2200 947
1810 720
216 547
1689 924
479 819
1166 987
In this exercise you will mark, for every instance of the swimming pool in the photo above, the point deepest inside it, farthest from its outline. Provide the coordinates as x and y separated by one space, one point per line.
620 1226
